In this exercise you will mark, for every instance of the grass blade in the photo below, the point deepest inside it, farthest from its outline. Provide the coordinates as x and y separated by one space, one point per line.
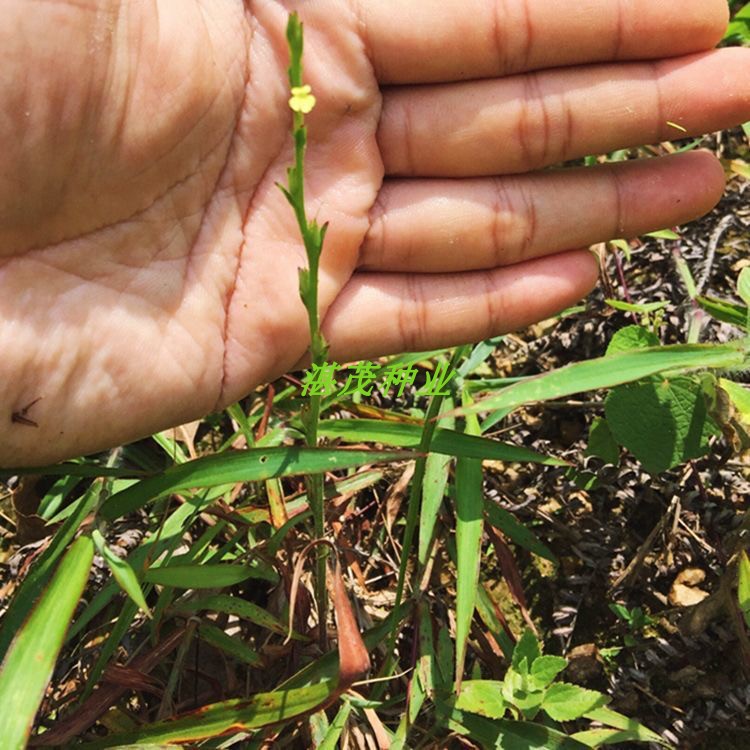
605 372
241 466
28 666
236 715
446 442
204 576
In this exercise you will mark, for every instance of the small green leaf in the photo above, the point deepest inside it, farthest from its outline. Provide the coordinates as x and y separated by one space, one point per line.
483 697
663 234
545 669
122 572
743 285
631 338
565 702
526 648
743 587
601 442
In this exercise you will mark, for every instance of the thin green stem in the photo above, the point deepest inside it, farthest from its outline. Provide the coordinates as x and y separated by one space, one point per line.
312 236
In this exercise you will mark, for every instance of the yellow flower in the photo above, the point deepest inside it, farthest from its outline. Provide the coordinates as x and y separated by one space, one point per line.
302 99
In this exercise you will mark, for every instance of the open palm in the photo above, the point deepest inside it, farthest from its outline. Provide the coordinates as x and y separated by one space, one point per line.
148 261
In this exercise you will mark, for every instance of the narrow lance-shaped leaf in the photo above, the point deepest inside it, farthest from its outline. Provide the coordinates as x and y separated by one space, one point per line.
469 524
606 372
28 665
241 466
743 587
122 572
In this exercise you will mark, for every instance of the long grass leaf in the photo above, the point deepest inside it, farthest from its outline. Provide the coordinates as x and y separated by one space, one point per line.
205 576
41 570
237 715
446 442
28 665
241 466
469 522
612 370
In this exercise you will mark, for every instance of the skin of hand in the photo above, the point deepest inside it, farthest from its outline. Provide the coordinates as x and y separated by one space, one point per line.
148 261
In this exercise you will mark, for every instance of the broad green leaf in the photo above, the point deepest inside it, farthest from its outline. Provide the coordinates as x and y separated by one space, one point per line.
526 648
446 442
545 669
230 644
483 697
469 524
743 587
630 338
565 702
612 370
612 718
726 312
204 576
261 710
663 422
506 522
30 660
510 735
233 467
601 442
122 572
233 605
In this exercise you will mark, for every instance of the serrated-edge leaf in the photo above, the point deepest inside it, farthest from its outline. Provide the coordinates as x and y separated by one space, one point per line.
527 648
483 697
30 660
565 702
546 668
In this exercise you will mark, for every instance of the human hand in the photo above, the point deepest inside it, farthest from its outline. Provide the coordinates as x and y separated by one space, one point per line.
148 262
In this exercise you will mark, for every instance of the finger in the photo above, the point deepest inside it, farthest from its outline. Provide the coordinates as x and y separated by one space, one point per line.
418 312
526 122
420 41
432 226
